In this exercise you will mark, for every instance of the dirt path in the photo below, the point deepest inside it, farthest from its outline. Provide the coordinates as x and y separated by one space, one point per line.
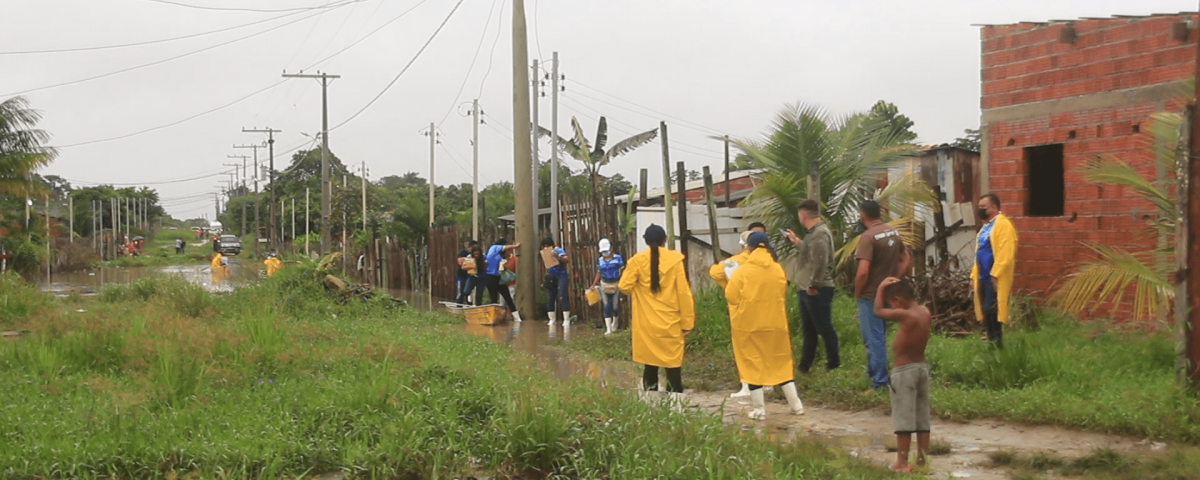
867 434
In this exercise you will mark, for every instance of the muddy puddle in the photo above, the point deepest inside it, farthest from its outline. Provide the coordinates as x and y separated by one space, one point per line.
91 281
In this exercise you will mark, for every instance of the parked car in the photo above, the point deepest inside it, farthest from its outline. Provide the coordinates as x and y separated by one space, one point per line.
229 245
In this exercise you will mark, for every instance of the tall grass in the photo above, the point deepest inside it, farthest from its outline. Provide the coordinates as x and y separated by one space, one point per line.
1094 376
278 380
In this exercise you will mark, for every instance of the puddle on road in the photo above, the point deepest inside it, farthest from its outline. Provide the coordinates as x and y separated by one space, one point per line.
91 281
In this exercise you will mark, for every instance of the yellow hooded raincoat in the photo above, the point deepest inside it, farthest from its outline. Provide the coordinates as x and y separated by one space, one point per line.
757 296
218 270
1004 250
659 319
717 271
273 264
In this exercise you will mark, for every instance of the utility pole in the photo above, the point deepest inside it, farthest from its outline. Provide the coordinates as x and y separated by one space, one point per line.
554 213
270 178
49 238
684 234
254 148
364 195
432 134
293 225
1188 236
306 254
71 217
666 168
243 182
523 163
537 177
475 170
727 171
325 186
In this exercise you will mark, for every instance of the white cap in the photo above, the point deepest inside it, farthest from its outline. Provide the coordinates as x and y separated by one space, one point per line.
605 245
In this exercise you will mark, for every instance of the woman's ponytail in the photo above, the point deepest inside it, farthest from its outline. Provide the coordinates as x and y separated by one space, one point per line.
655 286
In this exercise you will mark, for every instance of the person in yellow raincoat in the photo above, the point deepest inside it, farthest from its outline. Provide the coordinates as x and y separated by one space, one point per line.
717 271
219 268
273 264
663 311
992 275
757 296
720 273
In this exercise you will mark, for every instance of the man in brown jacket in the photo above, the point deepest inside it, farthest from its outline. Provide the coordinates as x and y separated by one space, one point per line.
814 284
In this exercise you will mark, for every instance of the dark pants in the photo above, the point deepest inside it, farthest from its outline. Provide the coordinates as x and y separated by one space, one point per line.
754 387
557 296
473 289
674 378
991 311
816 319
494 287
460 286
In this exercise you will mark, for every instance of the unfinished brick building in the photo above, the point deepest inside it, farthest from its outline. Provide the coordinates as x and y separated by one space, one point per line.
1057 94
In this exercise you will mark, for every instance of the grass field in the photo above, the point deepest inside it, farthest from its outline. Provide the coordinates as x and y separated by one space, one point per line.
160 378
1093 376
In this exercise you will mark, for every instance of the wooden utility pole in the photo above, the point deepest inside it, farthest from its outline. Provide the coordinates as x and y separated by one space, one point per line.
718 255
49 238
533 148
432 134
523 164
364 195
475 170
271 179
71 218
306 220
554 206
254 148
643 183
326 210
727 205
666 168
1189 257
681 179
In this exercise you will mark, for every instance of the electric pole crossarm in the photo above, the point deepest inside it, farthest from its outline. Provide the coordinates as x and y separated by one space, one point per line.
326 209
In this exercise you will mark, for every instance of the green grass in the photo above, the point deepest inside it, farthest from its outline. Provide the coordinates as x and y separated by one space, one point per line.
1104 464
159 378
1093 376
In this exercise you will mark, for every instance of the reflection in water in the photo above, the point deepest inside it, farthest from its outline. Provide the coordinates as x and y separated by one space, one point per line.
90 281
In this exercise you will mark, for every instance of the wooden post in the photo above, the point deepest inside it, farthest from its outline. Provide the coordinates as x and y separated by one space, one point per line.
666 162
1185 280
712 216
1191 263
683 226
726 172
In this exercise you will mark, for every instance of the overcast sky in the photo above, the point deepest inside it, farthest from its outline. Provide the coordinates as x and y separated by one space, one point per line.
705 67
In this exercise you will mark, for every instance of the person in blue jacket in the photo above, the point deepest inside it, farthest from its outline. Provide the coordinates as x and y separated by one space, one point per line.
556 283
495 257
608 277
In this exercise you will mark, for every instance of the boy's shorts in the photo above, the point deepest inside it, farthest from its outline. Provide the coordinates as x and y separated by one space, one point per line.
910 398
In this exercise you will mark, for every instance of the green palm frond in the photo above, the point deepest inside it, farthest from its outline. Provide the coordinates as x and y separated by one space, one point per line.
1105 282
912 233
1115 172
22 148
567 147
625 146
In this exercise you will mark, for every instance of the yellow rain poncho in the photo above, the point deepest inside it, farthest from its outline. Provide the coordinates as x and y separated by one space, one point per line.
218 270
273 265
659 319
717 271
757 296
1004 250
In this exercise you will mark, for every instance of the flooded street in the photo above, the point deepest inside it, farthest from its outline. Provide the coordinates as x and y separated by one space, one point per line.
90 281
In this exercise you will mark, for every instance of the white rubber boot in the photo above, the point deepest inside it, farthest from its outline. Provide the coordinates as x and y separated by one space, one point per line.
743 393
678 401
760 405
517 317
550 315
566 318
607 327
793 398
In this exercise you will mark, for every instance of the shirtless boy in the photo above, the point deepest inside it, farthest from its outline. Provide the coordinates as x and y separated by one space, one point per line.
910 378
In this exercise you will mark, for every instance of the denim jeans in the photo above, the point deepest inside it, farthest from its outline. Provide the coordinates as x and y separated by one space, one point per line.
874 337
472 290
559 293
611 302
460 286
991 311
816 320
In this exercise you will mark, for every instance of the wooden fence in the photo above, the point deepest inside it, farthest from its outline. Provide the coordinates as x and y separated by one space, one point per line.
585 220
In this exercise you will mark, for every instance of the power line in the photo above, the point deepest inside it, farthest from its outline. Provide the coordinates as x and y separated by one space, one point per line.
405 69
694 150
492 55
164 182
228 9
537 27
471 68
695 126
149 42
159 62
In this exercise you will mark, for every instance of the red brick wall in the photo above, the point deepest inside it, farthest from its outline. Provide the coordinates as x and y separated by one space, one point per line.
1026 63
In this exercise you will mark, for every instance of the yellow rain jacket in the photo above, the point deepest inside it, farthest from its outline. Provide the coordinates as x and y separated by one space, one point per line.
717 271
218 270
659 319
757 296
1004 250
273 265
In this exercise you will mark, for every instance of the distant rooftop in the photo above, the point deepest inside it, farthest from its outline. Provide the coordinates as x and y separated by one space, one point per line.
1113 17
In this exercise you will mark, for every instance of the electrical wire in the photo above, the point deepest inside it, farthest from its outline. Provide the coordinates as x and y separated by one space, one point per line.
694 126
149 42
159 62
229 9
537 27
164 182
685 147
471 68
405 69
492 55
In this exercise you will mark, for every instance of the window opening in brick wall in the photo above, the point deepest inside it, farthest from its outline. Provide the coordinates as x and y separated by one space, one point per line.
1046 187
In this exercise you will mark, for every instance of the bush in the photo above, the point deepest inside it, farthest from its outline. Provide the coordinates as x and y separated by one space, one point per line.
18 299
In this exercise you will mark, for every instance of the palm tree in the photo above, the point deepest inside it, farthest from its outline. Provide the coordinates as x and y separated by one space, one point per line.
839 161
22 149
1106 280
594 157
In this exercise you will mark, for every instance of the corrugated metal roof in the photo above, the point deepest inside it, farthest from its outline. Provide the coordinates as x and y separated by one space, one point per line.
1048 22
